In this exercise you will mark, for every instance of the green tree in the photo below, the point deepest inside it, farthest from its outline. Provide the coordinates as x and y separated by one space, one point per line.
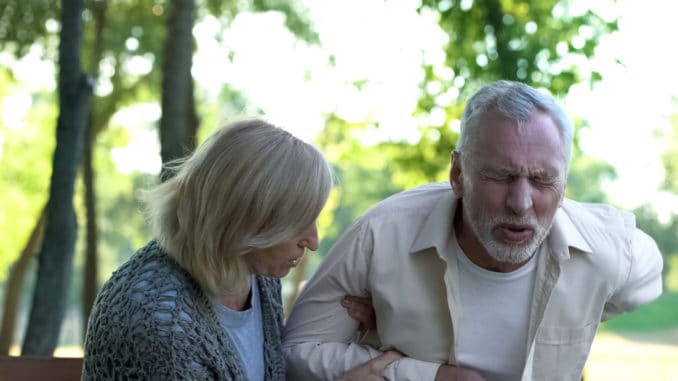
587 174
25 170
519 40
363 174
122 44
664 233
16 280
646 218
179 120
487 40
586 177
56 254
670 157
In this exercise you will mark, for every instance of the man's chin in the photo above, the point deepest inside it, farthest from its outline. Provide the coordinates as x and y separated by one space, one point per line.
511 254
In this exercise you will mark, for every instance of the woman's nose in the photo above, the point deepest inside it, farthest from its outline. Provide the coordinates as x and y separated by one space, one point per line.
310 238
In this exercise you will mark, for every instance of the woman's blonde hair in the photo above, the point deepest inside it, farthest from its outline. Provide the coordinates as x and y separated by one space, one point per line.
251 185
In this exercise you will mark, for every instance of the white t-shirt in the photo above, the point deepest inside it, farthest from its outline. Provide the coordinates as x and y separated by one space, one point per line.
245 328
491 336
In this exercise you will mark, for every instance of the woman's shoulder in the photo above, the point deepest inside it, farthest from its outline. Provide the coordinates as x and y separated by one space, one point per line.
154 315
148 273
150 289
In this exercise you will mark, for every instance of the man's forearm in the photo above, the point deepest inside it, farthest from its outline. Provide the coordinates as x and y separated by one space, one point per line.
328 361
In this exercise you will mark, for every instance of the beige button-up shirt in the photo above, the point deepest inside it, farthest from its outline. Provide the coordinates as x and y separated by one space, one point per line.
593 265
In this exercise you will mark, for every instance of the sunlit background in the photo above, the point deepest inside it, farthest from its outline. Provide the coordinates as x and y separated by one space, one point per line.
364 75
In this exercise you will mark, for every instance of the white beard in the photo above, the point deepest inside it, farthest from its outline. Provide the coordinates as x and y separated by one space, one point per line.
482 224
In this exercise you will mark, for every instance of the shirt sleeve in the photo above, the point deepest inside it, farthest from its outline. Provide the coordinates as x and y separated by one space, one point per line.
318 340
642 282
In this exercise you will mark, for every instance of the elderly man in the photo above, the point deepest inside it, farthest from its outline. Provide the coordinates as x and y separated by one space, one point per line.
493 276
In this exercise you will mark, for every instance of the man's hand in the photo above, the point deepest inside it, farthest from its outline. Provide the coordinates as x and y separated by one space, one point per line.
361 310
452 373
372 370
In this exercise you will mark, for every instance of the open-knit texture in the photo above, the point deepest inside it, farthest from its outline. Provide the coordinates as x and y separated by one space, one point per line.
152 321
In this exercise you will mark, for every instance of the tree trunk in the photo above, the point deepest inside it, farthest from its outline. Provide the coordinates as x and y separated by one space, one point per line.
56 256
91 268
15 283
179 122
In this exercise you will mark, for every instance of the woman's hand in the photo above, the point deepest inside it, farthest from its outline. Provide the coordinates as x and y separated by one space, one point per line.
361 310
372 370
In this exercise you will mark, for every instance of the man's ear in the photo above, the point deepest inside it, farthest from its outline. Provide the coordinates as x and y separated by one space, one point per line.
456 179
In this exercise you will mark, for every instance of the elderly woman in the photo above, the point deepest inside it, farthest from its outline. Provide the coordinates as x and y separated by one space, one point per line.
202 301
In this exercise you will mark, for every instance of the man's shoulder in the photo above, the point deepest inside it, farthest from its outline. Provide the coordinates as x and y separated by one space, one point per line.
607 231
418 200
598 215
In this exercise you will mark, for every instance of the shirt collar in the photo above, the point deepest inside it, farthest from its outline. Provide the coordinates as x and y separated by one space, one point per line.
564 235
438 226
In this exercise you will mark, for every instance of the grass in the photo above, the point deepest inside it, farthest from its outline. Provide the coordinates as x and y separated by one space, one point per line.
658 315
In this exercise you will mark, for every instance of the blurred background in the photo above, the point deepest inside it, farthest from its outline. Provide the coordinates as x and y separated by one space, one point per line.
377 85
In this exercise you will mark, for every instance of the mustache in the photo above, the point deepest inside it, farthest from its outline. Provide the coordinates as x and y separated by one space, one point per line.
513 220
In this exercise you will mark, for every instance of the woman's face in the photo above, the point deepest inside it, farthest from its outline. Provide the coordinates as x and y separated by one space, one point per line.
276 261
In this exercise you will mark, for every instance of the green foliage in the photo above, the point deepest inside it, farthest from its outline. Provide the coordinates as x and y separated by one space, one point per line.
363 175
656 316
500 39
670 157
122 46
25 168
296 17
487 40
428 160
664 234
519 40
120 38
671 272
586 176
121 225
24 22
230 102
123 40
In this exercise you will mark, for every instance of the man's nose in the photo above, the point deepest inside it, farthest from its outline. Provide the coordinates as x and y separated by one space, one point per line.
519 199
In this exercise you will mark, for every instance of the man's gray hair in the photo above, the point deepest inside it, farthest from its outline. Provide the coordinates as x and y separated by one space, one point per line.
516 101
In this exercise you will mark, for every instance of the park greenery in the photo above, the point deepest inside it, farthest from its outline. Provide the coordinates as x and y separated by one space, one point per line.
487 40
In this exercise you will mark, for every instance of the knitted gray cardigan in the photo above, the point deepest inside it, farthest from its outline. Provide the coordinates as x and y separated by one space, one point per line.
152 321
